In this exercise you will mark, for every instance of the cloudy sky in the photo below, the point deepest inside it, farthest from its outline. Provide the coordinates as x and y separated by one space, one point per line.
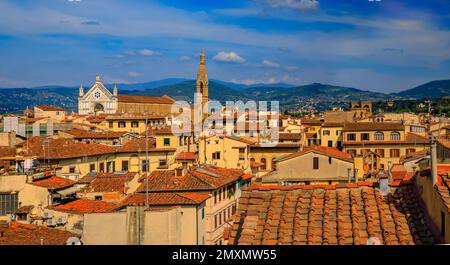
389 45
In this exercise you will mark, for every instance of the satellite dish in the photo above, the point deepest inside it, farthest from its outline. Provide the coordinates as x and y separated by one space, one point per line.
374 241
74 241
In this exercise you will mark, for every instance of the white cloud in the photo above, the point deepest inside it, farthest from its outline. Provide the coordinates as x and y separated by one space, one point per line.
74 1
185 58
296 4
267 63
291 68
147 52
133 74
231 57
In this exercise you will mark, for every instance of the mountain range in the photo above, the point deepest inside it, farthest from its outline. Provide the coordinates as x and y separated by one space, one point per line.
320 96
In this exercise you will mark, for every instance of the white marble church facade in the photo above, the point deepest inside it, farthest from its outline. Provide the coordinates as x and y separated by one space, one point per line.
97 100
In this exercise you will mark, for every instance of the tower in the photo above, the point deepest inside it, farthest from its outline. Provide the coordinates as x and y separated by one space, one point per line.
202 79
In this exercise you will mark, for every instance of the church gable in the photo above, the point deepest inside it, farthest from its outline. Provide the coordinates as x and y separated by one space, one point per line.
98 92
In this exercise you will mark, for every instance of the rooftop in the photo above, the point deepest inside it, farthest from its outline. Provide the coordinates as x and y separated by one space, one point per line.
199 179
166 198
16 233
78 133
82 206
373 126
53 183
144 99
329 215
328 151
108 182
186 156
49 108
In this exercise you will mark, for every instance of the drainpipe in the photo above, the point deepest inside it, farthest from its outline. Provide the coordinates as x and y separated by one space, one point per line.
434 174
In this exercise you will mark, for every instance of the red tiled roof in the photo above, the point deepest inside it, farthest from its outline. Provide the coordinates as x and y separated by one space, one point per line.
328 151
109 182
203 178
330 216
53 183
145 99
186 156
290 136
49 108
138 145
82 206
166 198
63 148
29 234
373 126
82 134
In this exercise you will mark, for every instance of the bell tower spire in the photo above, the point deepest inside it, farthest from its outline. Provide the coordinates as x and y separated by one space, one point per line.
202 79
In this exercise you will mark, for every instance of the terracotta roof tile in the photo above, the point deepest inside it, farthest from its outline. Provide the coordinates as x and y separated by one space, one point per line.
83 134
166 198
138 145
49 108
144 99
202 178
109 182
28 234
53 183
186 156
349 215
373 126
82 206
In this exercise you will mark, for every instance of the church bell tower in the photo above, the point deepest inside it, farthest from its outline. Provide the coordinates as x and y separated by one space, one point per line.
202 79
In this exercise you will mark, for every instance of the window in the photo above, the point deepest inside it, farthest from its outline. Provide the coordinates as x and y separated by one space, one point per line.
162 163
215 221
102 167
203 213
92 168
215 197
134 124
365 137
71 170
98 198
410 151
315 163
145 165
122 124
274 164
124 165
330 160
216 156
326 133
395 153
111 166
263 164
395 136
338 132
111 124
351 137
365 151
241 153
379 136
8 203
380 152
330 143
166 141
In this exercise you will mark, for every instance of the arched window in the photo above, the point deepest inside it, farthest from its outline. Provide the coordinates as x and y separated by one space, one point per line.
379 136
395 136
274 164
201 88
263 164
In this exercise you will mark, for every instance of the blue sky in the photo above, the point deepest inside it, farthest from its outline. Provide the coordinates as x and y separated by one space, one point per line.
384 46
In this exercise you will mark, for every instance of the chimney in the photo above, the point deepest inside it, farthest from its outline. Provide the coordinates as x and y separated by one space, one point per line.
433 161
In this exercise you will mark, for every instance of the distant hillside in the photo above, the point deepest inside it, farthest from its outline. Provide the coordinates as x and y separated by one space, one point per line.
185 91
433 89
313 97
238 86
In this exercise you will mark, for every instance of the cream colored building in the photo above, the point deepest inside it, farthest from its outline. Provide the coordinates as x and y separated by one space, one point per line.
315 165
53 113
